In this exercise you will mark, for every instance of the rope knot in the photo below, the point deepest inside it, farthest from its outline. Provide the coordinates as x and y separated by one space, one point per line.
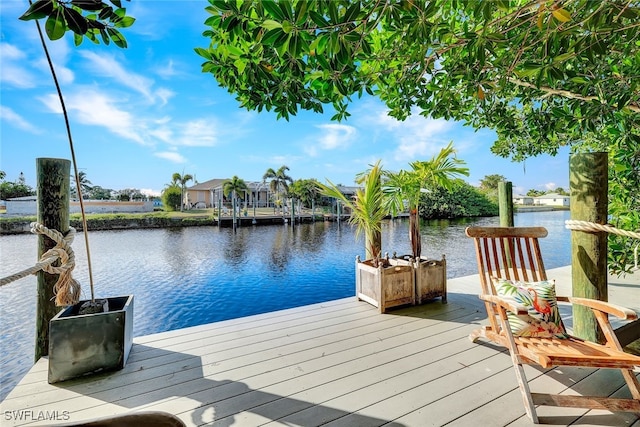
67 289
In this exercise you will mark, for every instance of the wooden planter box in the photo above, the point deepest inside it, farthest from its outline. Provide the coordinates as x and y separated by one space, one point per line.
85 344
385 287
431 279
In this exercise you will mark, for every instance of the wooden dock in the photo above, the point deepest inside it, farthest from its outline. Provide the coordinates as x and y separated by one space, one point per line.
338 363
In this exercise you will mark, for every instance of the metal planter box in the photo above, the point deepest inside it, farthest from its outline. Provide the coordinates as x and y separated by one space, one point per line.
86 344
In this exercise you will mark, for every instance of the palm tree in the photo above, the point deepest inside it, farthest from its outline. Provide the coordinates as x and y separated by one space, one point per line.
279 181
367 208
406 186
232 187
181 180
85 185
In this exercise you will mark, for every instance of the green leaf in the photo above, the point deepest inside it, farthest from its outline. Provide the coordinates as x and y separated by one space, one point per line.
270 24
240 65
105 36
116 3
75 21
125 22
319 20
55 26
287 27
93 5
38 10
301 11
272 8
561 15
352 12
77 39
271 36
203 52
117 38
234 50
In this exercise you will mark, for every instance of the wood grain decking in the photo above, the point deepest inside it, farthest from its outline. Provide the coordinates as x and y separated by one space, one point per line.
338 363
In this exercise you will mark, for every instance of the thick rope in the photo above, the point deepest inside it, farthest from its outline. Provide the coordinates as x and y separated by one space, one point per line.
66 289
592 227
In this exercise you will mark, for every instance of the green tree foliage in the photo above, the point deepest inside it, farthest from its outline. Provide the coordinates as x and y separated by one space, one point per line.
99 193
543 74
234 187
278 182
85 185
94 19
489 185
367 207
460 200
305 190
519 67
407 186
18 188
181 181
535 193
172 198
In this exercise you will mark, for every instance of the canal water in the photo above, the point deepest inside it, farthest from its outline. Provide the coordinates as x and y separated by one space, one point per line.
197 275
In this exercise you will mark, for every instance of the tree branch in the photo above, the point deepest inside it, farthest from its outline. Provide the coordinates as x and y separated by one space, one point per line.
567 94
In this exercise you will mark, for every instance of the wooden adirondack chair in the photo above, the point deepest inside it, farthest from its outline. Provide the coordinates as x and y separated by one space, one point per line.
513 253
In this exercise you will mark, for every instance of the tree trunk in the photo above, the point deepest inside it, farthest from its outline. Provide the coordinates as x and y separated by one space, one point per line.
414 233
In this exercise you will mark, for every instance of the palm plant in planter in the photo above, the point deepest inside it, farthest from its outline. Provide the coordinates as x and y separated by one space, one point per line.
381 282
100 337
406 187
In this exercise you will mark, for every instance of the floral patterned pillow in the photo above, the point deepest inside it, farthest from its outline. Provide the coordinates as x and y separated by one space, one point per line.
543 320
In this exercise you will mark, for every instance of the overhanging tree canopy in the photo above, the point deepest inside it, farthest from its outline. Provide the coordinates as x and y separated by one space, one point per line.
543 73
546 70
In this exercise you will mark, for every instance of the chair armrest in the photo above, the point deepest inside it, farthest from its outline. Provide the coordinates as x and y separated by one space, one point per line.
506 304
605 307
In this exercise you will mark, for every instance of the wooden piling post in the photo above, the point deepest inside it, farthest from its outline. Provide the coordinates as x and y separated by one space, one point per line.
53 178
588 181
505 203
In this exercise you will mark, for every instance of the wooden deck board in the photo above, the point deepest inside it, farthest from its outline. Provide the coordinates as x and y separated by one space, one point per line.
338 363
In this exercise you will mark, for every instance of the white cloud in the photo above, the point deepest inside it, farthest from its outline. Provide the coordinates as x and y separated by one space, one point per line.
165 95
550 185
10 116
12 72
167 71
107 66
197 133
417 136
171 156
65 75
91 107
334 136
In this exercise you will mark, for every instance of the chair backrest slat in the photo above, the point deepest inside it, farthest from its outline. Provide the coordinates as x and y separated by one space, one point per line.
512 253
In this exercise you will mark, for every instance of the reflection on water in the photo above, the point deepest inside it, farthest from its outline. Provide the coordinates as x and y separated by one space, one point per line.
191 276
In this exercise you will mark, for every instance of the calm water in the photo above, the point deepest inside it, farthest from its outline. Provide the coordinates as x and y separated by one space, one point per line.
199 275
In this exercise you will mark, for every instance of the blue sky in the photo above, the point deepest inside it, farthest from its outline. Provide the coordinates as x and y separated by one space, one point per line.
140 114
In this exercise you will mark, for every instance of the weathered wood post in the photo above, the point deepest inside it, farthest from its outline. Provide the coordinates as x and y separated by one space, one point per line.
505 203
588 181
52 176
